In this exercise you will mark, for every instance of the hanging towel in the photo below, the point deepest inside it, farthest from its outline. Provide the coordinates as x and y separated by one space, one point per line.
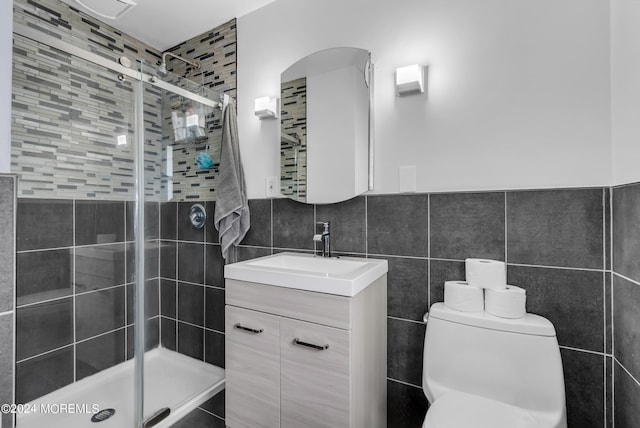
231 215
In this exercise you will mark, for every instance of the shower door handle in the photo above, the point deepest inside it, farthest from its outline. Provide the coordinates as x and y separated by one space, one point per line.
248 329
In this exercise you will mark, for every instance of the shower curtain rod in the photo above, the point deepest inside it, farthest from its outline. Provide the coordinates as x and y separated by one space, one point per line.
37 36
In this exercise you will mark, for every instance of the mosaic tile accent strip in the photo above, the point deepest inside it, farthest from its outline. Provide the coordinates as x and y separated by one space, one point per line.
293 141
215 50
68 113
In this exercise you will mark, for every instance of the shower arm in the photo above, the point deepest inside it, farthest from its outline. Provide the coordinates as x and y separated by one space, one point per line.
194 64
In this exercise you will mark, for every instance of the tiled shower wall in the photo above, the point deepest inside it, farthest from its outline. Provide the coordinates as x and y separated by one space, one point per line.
7 281
555 245
626 304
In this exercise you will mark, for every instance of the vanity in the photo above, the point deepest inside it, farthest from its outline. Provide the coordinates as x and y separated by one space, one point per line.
305 342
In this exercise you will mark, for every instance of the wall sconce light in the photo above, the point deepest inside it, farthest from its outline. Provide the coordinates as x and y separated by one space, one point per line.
410 80
266 108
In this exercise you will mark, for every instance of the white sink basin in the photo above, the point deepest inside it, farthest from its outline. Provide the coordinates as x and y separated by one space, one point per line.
344 276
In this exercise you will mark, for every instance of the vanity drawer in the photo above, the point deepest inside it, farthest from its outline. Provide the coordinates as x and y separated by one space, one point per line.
320 308
315 375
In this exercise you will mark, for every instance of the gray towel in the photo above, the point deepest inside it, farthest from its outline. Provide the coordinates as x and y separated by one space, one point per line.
231 216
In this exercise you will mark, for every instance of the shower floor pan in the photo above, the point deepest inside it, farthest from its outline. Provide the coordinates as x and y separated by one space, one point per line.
172 380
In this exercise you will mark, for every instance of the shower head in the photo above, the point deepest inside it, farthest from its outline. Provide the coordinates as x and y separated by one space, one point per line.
162 68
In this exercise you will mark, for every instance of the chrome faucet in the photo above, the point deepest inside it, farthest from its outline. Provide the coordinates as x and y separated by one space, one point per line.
324 238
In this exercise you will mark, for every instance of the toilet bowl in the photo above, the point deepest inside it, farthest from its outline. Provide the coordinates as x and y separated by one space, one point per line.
483 371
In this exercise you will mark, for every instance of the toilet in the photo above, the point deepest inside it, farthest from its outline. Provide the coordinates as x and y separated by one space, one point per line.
483 371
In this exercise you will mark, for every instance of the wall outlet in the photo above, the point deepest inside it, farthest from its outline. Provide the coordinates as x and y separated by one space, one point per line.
271 184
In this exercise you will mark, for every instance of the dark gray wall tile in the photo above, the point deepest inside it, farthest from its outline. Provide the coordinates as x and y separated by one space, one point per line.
259 233
214 348
406 405
609 391
99 222
441 271
100 353
211 233
608 314
151 300
102 266
6 362
405 341
33 233
199 418
168 220
98 312
246 253
168 333
215 405
214 266
626 412
191 303
407 288
572 300
398 225
626 324
556 228
348 220
7 239
43 327
626 233
44 374
214 305
607 228
292 224
191 262
467 225
168 252
43 275
151 336
151 220
584 388
191 340
168 296
186 232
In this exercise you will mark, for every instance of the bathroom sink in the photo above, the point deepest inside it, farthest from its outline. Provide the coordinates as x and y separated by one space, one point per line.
344 276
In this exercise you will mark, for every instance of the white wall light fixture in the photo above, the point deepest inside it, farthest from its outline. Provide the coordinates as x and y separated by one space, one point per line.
266 108
410 80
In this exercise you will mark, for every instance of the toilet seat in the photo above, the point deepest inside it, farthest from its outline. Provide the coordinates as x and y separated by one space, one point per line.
461 410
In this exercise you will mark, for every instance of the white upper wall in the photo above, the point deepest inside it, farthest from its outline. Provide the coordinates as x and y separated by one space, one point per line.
625 90
518 91
6 48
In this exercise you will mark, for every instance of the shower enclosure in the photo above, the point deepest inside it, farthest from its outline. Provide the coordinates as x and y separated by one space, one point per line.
101 149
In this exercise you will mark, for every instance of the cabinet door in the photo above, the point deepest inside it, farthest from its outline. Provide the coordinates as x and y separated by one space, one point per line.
252 353
315 375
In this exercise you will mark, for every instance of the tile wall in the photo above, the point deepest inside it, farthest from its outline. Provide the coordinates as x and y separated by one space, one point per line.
626 304
7 283
555 245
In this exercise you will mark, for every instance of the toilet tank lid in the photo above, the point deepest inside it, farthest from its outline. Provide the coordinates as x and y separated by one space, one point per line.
529 324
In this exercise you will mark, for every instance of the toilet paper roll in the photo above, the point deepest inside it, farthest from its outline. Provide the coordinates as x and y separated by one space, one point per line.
508 303
486 273
461 296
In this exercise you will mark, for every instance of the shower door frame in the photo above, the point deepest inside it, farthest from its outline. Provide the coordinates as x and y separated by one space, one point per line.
140 78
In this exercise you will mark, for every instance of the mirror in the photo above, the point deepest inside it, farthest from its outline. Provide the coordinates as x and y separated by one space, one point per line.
325 138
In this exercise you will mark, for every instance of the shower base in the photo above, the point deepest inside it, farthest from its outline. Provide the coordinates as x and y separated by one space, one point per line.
171 380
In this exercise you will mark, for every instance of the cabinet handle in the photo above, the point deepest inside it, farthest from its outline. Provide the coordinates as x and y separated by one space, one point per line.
297 341
248 329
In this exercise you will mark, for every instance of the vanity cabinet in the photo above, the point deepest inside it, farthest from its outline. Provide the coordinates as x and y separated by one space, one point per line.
298 359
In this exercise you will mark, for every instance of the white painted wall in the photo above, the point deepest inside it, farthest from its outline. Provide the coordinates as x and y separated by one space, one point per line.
625 90
6 29
518 91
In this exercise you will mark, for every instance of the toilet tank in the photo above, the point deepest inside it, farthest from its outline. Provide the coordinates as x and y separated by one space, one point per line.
515 361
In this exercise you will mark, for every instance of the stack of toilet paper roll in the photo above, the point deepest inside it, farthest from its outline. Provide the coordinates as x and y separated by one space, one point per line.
486 288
